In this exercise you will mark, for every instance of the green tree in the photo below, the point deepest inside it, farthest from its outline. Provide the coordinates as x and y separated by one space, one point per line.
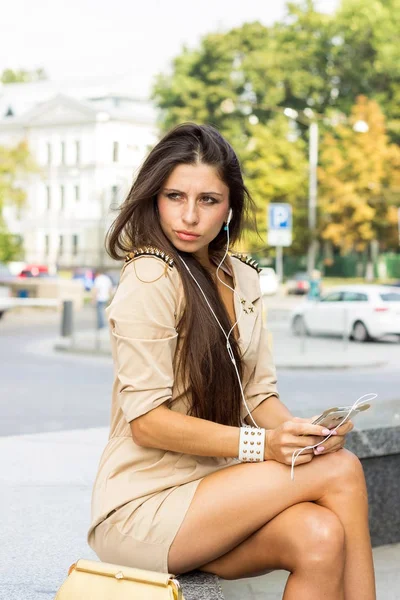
276 170
22 76
15 163
366 56
359 182
308 60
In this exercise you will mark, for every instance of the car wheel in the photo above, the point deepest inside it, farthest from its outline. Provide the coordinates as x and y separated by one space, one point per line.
2 313
360 332
299 326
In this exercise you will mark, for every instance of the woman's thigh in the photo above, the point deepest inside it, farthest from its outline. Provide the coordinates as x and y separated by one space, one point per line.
231 504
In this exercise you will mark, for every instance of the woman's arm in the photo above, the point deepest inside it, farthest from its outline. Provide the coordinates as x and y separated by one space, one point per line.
166 429
270 413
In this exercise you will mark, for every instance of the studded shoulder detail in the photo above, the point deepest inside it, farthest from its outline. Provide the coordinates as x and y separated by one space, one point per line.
150 251
248 261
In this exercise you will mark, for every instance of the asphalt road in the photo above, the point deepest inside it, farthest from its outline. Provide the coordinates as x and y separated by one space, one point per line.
42 390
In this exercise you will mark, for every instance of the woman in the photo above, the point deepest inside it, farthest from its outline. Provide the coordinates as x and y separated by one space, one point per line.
170 493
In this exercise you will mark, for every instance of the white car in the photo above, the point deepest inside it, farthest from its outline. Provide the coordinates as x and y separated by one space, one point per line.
361 312
268 281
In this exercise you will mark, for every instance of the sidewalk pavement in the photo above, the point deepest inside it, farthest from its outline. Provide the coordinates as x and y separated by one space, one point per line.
45 502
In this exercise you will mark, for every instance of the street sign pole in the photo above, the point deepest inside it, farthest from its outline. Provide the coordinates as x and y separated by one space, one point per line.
279 263
279 232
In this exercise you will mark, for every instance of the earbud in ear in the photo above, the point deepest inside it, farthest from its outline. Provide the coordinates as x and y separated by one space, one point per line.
230 214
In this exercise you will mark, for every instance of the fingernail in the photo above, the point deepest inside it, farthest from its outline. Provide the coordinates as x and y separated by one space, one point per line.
325 431
320 449
334 432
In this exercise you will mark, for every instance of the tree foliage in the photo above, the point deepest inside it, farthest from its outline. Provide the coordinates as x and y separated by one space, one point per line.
22 76
239 81
15 163
359 182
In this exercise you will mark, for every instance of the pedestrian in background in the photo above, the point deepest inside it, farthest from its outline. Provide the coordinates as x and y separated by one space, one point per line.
102 292
314 292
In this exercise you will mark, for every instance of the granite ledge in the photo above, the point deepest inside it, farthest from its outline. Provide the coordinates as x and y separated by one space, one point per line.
379 441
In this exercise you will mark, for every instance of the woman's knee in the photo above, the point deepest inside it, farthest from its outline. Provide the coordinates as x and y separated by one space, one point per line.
324 540
345 471
315 538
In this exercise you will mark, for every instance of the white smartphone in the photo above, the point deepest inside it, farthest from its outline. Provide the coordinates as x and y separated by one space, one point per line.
331 417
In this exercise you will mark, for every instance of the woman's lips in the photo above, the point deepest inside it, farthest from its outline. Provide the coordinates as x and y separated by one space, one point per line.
186 236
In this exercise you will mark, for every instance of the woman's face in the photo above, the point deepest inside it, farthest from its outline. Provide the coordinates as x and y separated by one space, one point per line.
193 200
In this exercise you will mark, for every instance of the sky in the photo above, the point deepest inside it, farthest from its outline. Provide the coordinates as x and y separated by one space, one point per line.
127 39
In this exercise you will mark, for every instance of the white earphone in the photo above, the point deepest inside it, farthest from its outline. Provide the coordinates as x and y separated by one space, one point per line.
296 453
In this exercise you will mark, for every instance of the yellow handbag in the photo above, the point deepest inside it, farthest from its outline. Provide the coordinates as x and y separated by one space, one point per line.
93 580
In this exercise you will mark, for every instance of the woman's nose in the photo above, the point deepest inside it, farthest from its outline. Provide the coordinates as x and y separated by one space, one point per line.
190 215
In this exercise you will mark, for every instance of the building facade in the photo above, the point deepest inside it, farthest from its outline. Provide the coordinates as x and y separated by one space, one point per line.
87 152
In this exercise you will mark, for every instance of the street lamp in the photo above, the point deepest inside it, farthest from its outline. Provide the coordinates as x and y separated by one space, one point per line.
291 113
359 126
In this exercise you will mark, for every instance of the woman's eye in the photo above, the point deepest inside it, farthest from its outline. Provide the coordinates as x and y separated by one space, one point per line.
173 196
210 199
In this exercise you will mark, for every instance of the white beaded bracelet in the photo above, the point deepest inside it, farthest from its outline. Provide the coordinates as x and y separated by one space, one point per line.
251 444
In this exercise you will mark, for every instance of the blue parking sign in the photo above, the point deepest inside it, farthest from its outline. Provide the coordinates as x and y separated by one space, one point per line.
279 224
280 216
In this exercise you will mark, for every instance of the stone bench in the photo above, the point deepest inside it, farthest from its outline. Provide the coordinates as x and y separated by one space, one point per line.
379 451
197 585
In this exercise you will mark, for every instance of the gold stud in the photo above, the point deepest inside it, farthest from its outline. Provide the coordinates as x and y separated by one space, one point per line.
253 433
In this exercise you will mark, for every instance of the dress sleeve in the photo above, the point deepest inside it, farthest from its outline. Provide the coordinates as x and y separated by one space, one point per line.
262 382
142 317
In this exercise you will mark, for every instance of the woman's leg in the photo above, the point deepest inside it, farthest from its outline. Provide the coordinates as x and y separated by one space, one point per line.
232 504
306 539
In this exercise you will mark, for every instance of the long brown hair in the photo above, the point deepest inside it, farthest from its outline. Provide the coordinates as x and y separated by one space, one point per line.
209 372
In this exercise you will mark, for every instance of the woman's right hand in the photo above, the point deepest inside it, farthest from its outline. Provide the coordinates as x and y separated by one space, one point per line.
280 443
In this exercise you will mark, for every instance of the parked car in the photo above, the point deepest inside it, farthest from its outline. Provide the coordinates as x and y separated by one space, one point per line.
6 277
298 284
268 281
362 312
34 271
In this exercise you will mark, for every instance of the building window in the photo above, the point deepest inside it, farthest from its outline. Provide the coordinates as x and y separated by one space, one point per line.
62 197
114 194
46 244
48 197
77 193
63 153
75 243
115 151
49 156
77 152
61 245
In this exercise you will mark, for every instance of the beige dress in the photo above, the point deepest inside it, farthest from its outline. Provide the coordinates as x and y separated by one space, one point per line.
141 495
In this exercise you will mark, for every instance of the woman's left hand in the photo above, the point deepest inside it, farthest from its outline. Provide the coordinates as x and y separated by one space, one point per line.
336 441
